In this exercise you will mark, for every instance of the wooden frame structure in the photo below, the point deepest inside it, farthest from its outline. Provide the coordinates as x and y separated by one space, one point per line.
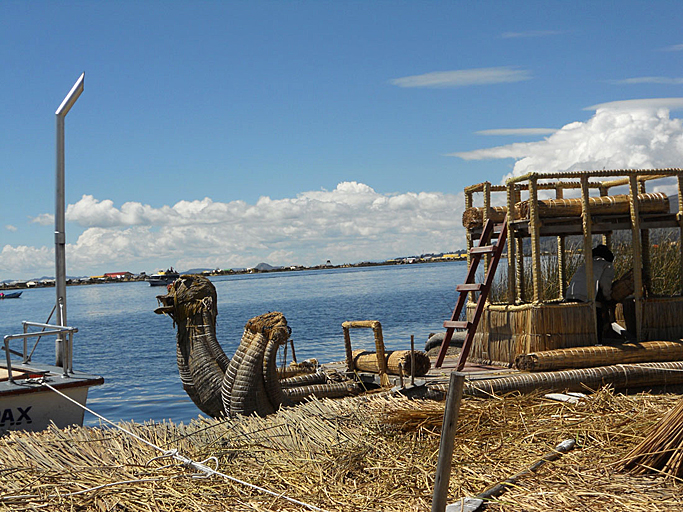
521 318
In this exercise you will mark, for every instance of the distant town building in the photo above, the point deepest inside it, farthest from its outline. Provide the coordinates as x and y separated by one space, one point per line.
118 275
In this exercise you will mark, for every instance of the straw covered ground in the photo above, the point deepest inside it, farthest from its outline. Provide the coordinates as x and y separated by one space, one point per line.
362 453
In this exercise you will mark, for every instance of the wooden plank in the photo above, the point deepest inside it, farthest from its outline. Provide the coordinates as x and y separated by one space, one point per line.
468 287
485 249
457 324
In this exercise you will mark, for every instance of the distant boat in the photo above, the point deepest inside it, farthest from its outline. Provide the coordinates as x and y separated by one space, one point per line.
13 295
163 278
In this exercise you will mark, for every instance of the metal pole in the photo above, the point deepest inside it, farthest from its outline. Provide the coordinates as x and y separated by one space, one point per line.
60 234
450 420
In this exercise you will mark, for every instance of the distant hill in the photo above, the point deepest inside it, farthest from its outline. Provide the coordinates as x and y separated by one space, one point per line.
197 270
265 266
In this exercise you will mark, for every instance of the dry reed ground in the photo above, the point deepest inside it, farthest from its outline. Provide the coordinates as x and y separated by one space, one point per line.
364 453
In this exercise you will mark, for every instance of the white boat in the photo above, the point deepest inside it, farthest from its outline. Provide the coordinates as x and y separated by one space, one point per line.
163 277
28 400
34 394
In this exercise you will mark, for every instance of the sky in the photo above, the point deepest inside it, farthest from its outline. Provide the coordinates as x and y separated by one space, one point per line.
222 134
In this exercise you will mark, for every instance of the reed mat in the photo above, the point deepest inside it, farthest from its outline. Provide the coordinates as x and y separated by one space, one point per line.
363 453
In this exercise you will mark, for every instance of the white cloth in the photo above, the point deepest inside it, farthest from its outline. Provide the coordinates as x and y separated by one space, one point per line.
603 275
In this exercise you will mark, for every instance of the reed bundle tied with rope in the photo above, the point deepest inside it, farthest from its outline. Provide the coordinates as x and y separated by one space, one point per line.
367 362
474 216
620 376
656 202
587 357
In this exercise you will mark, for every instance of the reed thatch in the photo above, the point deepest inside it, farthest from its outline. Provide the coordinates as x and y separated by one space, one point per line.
662 450
365 453
367 362
662 318
587 357
506 331
656 202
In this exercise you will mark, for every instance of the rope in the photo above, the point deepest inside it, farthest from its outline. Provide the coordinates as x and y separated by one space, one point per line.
201 467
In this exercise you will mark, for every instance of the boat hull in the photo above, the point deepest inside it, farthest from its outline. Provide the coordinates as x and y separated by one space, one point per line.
160 281
27 404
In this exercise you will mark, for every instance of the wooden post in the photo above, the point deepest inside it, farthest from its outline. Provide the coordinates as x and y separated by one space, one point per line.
561 264
680 228
487 215
588 249
519 272
645 247
534 228
468 204
450 421
637 254
606 237
512 293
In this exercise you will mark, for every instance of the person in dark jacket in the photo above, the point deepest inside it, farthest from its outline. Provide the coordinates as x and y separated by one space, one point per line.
603 275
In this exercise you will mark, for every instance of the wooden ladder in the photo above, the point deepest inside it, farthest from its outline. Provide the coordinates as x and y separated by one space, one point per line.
495 250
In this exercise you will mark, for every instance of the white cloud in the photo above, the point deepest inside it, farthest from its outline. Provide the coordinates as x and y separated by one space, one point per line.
665 80
620 135
530 33
44 219
464 77
11 228
26 261
649 104
673 48
351 223
517 131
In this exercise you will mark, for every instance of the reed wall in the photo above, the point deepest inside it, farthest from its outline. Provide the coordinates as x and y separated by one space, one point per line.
662 317
506 331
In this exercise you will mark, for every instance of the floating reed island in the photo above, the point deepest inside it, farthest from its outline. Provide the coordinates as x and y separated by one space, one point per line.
359 453
275 439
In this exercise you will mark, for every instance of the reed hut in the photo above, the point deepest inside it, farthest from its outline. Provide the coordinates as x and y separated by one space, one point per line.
584 205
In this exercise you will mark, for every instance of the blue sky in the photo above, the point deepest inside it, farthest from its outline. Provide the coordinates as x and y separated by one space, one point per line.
222 134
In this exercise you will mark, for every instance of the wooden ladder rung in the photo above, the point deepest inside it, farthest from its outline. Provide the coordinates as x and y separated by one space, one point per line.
483 249
469 287
454 324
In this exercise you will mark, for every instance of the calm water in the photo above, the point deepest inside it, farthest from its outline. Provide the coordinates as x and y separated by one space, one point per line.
122 339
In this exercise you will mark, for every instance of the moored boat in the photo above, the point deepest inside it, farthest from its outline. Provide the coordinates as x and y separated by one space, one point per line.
163 277
32 394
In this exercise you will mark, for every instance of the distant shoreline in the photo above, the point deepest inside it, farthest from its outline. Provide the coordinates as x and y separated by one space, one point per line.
143 277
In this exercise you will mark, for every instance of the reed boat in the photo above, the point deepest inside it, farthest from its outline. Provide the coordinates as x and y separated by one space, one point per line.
35 394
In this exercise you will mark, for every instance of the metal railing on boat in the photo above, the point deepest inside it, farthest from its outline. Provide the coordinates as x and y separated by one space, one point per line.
67 348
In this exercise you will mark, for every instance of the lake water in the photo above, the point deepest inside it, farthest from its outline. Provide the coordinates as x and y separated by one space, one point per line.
122 339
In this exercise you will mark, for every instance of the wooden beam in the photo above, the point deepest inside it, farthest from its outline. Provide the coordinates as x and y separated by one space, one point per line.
512 292
562 282
534 227
637 256
588 248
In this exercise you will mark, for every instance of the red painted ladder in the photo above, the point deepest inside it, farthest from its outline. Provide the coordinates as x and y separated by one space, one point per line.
495 250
